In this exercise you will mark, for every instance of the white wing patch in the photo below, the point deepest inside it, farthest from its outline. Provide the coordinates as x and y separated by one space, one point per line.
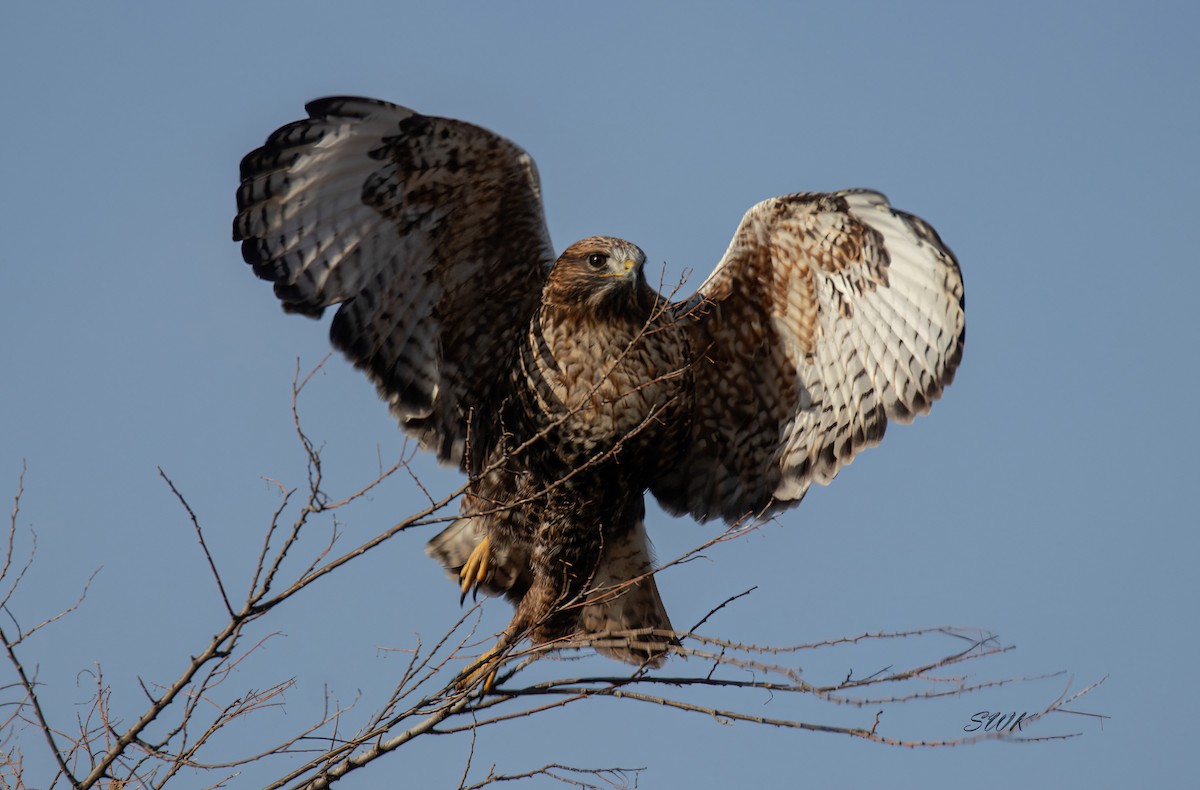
828 315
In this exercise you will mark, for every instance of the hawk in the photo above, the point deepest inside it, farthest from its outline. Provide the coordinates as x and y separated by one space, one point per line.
565 386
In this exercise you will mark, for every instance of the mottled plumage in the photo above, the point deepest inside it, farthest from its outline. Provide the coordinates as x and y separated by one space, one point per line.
566 388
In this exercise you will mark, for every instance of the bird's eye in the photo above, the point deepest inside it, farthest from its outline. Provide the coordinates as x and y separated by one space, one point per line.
597 260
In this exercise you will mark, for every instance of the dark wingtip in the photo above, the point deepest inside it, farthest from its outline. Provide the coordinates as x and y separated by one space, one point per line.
348 106
306 310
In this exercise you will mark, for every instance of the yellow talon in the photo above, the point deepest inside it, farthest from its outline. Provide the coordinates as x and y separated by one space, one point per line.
481 668
475 571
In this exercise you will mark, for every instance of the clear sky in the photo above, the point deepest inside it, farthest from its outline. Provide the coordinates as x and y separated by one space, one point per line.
1049 496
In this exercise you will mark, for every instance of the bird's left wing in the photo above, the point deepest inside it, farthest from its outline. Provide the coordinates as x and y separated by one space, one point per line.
428 232
829 315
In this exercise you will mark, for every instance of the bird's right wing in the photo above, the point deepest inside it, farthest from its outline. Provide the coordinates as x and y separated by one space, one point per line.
428 232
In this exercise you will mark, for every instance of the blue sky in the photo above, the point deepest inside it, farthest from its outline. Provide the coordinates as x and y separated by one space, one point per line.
1048 497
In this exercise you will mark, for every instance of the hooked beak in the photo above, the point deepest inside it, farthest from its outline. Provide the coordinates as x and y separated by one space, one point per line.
629 264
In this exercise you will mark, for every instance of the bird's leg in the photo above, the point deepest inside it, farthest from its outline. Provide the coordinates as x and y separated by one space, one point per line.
531 611
475 569
485 668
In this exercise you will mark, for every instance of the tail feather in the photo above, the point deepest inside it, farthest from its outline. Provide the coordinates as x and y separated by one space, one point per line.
628 620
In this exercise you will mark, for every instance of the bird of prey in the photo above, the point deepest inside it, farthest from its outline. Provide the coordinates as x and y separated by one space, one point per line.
565 386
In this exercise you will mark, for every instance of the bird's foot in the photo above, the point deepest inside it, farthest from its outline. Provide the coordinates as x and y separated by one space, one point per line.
484 669
476 568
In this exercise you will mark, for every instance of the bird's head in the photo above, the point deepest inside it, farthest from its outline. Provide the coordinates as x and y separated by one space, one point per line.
600 272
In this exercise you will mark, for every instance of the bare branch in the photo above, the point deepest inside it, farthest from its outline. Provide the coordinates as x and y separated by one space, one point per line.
212 565
612 777
430 699
23 635
12 528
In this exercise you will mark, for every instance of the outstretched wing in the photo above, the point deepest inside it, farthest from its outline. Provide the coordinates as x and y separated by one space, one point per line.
428 232
829 315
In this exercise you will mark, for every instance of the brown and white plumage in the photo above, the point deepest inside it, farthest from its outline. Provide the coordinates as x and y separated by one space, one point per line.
828 315
567 388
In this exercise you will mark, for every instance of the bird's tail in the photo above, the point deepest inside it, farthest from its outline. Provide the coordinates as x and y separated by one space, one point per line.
625 618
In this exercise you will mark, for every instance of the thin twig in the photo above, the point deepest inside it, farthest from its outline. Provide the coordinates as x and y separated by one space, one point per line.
212 565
